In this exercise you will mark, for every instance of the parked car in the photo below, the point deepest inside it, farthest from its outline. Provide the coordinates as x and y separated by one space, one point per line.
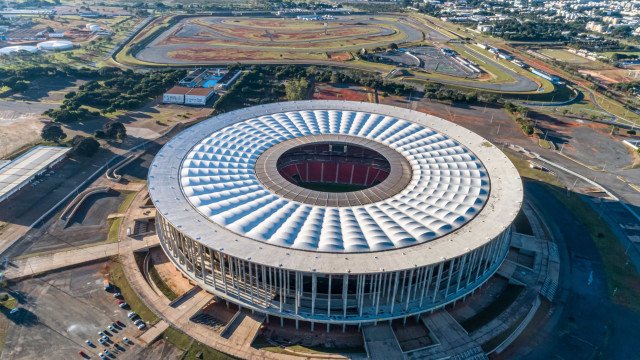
140 324
127 341
90 343
107 352
101 334
82 353
111 328
123 305
102 356
131 315
117 295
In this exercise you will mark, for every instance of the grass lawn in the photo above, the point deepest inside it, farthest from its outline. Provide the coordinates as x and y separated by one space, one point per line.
114 229
164 288
564 56
114 224
124 205
545 144
192 347
622 278
262 344
526 171
497 307
117 277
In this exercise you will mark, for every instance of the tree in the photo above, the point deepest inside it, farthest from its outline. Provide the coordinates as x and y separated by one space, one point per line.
393 46
19 86
85 146
115 130
52 132
296 89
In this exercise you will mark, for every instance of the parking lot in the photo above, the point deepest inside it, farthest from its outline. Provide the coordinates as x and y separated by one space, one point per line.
60 311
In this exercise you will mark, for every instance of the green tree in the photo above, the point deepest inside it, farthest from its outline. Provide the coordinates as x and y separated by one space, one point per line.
296 89
52 132
85 146
19 86
115 130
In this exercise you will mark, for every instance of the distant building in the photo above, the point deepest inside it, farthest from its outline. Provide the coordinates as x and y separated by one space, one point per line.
485 28
198 96
18 173
187 96
596 27
175 95
308 17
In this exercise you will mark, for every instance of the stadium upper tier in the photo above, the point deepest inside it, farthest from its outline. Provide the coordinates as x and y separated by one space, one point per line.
447 187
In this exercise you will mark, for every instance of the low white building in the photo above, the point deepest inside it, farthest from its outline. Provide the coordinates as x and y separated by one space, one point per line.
187 96
198 96
175 95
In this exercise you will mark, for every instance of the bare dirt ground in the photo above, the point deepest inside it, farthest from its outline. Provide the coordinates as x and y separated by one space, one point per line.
18 128
21 118
169 273
349 93
585 141
613 76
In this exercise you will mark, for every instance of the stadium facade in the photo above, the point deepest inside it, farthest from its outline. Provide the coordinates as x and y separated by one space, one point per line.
334 212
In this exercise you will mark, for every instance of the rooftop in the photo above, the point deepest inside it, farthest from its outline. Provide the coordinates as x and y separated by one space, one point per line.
21 170
463 191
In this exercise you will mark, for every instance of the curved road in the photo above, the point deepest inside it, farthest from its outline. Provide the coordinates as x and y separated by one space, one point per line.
159 54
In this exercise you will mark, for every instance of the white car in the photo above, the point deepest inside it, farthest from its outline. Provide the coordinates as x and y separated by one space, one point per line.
102 356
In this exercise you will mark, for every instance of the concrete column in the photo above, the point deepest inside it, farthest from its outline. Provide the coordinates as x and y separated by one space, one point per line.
426 284
345 288
438 278
329 299
460 271
395 290
223 272
472 264
406 306
212 269
378 293
314 286
250 283
280 292
404 280
479 265
452 265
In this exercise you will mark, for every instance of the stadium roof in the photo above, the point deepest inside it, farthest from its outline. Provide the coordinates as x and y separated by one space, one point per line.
17 173
462 191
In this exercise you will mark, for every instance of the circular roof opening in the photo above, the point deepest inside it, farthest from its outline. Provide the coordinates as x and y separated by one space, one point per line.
334 167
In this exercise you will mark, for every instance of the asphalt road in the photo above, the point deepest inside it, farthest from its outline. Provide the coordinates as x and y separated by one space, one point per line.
62 310
586 324
159 53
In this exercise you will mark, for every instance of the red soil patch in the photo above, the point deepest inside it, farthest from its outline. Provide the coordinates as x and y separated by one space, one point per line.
343 56
328 92
611 76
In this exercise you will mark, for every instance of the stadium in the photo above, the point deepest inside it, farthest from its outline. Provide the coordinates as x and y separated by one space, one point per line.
334 212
